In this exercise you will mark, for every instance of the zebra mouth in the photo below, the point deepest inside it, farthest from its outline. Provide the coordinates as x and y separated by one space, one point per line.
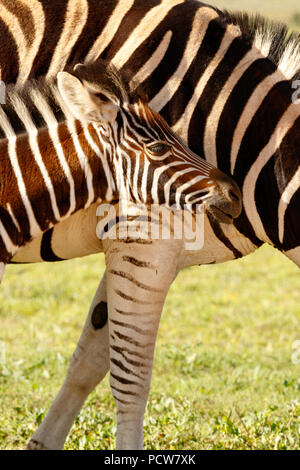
220 215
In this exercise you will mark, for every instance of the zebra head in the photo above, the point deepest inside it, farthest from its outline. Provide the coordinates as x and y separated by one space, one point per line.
149 163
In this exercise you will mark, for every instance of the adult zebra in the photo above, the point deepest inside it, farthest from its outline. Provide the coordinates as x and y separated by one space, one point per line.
224 82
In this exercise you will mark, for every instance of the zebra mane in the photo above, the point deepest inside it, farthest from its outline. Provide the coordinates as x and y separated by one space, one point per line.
272 38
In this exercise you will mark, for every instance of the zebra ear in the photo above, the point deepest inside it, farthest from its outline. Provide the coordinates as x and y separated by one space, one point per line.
84 103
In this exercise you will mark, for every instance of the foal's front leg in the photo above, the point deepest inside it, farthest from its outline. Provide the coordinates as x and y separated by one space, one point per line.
138 280
89 365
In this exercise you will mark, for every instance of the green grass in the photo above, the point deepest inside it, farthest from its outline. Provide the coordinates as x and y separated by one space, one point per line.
223 375
288 10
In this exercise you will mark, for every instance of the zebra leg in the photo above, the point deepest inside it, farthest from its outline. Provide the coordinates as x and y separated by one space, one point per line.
89 365
138 279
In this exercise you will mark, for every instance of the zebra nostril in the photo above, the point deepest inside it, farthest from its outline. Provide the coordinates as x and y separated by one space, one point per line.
234 196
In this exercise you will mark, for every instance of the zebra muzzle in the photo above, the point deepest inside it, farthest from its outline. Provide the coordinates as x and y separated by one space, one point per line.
225 202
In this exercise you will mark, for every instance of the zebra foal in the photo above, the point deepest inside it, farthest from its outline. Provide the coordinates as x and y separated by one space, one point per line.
63 147
83 141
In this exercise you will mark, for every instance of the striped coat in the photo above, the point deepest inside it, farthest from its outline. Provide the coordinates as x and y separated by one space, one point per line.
225 82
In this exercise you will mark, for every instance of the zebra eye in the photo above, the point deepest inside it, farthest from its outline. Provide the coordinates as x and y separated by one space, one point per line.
159 148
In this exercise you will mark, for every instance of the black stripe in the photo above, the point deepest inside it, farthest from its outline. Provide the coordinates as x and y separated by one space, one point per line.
138 263
9 225
122 352
234 107
125 369
236 51
222 237
55 18
132 18
124 392
132 327
47 254
98 16
124 381
292 224
262 127
9 59
267 201
24 16
174 109
132 341
167 67
130 278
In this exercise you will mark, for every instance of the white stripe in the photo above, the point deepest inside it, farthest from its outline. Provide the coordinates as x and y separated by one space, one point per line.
23 113
173 178
87 168
35 229
6 125
9 245
285 199
253 104
144 179
109 178
109 30
10 134
203 15
137 164
143 29
212 121
12 23
38 158
154 61
53 133
285 123
187 185
52 125
38 16
75 20
182 126
10 211
158 171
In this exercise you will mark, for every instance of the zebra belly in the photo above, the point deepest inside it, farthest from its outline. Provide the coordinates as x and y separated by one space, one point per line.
228 246
294 255
74 237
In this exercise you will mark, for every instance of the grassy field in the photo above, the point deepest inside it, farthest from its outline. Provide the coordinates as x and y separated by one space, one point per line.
288 10
223 376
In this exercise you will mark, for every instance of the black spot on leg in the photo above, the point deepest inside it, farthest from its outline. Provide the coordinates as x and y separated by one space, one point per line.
99 316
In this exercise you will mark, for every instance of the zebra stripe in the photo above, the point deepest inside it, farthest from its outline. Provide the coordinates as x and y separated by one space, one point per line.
224 83
60 161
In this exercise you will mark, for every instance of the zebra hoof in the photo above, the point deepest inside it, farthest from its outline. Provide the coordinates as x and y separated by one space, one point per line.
35 445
